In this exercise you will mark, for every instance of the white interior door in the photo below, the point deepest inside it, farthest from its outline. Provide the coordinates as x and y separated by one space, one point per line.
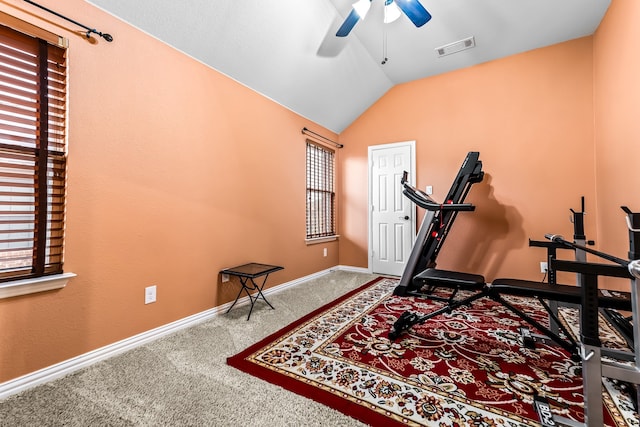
392 216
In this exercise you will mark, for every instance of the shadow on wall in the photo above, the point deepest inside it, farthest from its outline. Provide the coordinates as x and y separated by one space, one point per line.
497 230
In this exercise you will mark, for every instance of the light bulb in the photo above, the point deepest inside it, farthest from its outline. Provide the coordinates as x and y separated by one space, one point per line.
362 7
391 11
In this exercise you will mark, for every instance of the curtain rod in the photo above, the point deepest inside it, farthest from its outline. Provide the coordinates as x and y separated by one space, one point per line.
105 36
317 135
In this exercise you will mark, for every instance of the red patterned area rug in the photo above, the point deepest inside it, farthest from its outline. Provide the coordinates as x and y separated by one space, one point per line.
464 369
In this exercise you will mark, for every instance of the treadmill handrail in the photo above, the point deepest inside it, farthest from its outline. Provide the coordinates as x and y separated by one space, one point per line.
424 201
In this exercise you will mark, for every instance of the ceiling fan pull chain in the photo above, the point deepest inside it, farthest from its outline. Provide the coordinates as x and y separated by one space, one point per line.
384 47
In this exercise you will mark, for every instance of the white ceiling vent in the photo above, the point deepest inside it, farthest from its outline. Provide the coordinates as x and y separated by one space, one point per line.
456 47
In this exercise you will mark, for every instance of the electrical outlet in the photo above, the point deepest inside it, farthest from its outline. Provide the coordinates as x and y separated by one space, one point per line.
225 278
324 252
543 267
150 294
429 190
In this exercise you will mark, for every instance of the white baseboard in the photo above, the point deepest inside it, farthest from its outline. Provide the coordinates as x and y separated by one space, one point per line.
66 367
353 269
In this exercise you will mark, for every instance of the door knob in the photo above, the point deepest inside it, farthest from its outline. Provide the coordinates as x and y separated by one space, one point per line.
404 217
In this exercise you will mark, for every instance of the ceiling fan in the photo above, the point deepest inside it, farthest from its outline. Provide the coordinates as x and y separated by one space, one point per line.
392 8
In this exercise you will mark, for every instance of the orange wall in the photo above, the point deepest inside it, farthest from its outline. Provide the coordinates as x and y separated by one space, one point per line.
175 172
617 122
531 118
168 183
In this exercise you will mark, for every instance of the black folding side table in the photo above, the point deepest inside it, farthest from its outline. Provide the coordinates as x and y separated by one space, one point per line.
247 273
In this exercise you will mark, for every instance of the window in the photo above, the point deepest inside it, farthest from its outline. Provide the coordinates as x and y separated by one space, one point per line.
32 155
320 192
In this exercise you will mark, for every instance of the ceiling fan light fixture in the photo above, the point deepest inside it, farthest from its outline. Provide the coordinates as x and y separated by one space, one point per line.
413 9
391 11
362 7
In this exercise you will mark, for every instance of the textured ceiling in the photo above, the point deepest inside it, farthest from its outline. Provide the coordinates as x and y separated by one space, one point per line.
287 49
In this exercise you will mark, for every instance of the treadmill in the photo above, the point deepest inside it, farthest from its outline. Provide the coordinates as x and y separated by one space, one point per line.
437 221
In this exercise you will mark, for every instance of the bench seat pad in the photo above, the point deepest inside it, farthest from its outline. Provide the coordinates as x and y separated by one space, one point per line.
561 293
451 279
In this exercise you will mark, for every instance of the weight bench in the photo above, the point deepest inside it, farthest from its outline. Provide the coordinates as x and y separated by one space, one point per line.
475 283
434 278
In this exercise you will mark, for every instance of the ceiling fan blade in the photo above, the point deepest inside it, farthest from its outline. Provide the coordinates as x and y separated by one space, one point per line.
414 11
348 24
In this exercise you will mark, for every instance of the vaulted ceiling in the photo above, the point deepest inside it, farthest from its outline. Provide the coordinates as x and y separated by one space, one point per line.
287 49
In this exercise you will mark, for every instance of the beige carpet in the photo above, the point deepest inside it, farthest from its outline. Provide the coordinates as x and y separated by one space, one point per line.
183 379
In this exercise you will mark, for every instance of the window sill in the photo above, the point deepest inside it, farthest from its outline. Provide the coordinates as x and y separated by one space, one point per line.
31 286
321 240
